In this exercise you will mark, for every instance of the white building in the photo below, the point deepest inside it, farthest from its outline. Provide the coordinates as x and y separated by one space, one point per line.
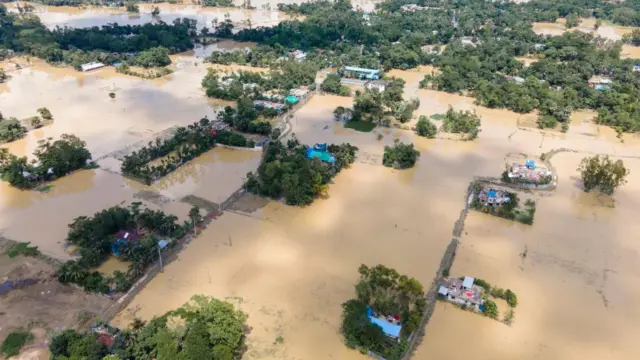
462 292
91 66
299 55
379 85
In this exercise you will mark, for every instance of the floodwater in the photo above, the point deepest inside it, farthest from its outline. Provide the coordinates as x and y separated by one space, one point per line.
607 31
291 268
52 16
80 105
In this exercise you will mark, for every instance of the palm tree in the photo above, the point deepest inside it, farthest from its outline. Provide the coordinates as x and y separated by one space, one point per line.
71 272
194 215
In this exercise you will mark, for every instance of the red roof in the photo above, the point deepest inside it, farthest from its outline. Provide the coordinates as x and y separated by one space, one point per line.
106 339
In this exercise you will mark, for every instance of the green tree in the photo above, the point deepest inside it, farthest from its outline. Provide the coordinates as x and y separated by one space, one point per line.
426 128
194 215
87 347
400 156
600 172
14 342
132 7
196 344
491 309
332 85
572 21
45 113
36 122
462 122
166 345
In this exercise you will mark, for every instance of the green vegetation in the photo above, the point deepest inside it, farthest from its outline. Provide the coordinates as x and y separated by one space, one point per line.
462 122
508 210
11 129
332 85
54 160
14 342
45 113
147 74
426 128
286 173
24 33
95 238
203 328
601 173
132 7
185 145
400 156
22 249
387 293
363 126
245 117
383 107
217 3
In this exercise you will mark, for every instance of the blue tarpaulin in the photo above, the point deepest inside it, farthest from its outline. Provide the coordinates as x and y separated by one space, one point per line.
492 194
530 164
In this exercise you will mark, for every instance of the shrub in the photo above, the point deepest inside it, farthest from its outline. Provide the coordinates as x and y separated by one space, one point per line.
400 156
424 127
23 249
511 298
14 342
491 309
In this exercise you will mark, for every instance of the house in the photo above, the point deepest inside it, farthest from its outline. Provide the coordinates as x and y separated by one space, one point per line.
429 49
636 68
390 325
467 41
361 73
91 66
539 47
320 151
299 93
517 79
268 105
599 80
462 292
379 85
291 99
411 7
299 55
489 196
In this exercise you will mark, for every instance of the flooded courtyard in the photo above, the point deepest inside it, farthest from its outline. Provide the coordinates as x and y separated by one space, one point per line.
291 268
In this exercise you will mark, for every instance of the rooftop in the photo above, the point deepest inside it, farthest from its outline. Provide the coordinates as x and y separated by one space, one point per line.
455 287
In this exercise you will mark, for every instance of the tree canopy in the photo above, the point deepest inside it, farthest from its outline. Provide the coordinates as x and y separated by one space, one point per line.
400 155
602 173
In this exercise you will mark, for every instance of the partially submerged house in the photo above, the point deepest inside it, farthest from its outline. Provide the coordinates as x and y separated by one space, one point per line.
319 151
91 66
122 238
490 196
379 85
390 325
462 291
529 172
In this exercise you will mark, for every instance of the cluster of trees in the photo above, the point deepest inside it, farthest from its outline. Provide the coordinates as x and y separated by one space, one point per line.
244 117
217 3
10 129
186 144
53 159
95 237
426 128
153 57
461 122
387 293
108 44
603 174
383 107
286 173
332 85
400 155
203 328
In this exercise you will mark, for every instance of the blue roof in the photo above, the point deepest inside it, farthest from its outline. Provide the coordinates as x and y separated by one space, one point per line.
530 163
387 327
492 193
359 69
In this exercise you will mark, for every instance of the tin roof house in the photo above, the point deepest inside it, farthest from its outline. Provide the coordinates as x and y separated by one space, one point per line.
462 292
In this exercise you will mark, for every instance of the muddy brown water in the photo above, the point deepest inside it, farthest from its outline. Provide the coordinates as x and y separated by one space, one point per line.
291 268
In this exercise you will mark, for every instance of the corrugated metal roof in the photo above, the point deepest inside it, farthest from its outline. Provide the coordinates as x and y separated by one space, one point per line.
468 282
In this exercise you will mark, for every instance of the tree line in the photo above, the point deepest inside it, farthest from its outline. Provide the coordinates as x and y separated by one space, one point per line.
186 144
209 329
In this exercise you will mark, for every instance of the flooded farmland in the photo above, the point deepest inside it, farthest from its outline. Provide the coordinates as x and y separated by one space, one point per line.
291 268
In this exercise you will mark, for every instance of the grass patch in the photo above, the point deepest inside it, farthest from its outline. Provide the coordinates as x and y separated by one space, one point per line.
23 249
14 342
363 126
437 116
